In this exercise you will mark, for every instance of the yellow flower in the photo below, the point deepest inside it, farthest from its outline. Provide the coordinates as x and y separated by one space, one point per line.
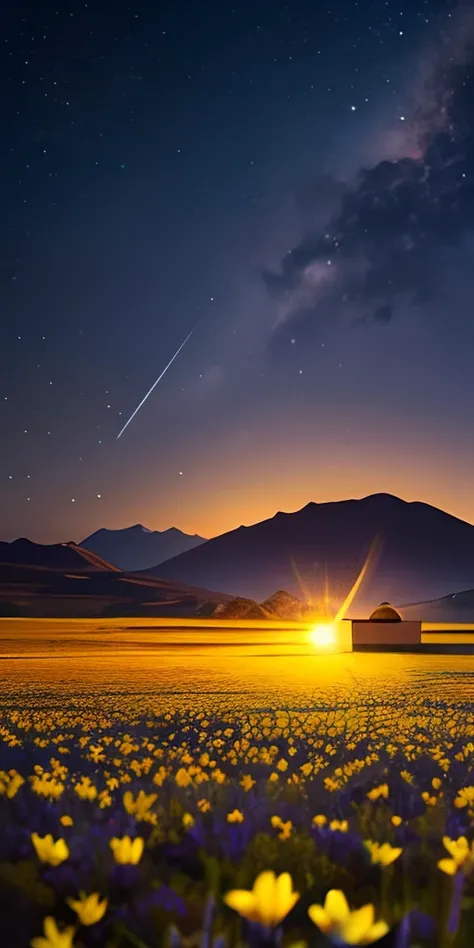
396 820
127 851
436 783
341 825
188 820
320 820
66 820
269 901
429 799
140 805
88 908
182 777
377 792
53 937
204 805
465 797
10 783
462 856
85 789
282 765
48 850
106 800
247 782
235 817
336 919
97 754
382 854
160 776
47 786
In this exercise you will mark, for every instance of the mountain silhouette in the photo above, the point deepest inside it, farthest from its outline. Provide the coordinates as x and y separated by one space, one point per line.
54 556
137 548
64 580
422 553
457 607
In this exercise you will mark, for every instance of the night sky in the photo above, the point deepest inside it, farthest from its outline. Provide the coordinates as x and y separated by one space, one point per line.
294 180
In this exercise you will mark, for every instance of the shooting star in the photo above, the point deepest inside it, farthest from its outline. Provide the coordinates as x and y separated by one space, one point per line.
156 383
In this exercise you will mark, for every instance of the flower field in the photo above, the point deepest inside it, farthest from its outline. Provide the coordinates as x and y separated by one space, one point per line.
141 821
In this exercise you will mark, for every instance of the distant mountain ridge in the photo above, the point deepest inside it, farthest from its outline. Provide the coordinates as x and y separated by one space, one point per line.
456 607
424 553
64 580
54 556
313 556
137 547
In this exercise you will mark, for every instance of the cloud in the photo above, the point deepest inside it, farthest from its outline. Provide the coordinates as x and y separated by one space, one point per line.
385 245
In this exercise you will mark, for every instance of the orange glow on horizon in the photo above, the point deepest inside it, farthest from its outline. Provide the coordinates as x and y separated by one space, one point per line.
241 484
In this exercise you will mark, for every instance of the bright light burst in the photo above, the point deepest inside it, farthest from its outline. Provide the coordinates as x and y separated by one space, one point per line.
323 635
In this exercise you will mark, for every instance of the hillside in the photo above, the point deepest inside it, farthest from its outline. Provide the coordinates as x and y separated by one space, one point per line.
137 548
423 553
64 580
54 556
457 607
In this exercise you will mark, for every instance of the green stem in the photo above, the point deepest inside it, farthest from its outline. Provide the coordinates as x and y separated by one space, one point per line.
406 886
133 939
385 888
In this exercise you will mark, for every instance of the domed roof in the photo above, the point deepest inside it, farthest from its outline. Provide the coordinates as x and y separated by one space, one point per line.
385 613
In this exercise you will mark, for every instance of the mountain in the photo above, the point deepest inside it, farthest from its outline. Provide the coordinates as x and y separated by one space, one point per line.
64 580
55 556
423 553
136 548
457 607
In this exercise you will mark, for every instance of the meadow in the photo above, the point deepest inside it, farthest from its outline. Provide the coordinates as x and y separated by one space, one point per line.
175 791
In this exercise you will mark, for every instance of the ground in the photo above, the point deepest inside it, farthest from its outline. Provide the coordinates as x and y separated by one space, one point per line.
228 760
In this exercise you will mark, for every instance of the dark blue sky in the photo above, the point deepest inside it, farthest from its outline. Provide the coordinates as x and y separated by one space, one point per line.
159 161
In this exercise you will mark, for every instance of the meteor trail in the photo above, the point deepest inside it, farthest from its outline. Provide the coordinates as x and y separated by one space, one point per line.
155 384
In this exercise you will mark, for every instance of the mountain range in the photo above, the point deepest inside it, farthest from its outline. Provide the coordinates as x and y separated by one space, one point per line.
135 548
54 556
422 557
457 607
422 553
65 580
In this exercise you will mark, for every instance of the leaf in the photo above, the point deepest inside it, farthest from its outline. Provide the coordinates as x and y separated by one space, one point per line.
23 876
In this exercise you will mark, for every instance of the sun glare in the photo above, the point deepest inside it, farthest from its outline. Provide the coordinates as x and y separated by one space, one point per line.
323 635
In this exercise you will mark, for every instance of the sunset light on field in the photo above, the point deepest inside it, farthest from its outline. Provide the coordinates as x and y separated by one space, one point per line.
323 636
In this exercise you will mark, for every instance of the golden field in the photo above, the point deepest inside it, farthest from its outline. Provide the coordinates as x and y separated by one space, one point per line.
158 770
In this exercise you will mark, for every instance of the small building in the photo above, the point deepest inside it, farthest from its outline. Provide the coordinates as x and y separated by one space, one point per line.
385 629
385 613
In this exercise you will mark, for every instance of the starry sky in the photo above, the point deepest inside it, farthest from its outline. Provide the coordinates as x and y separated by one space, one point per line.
293 181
